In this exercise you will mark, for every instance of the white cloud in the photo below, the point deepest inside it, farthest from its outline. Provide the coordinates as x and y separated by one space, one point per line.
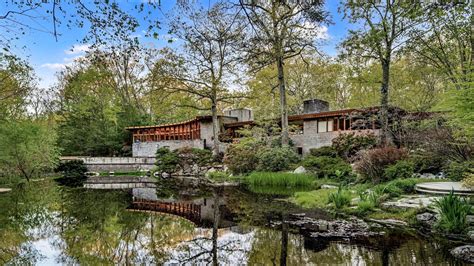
322 33
54 66
77 49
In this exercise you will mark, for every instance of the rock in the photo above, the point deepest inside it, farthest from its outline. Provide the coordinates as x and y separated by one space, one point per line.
2 190
465 253
390 222
300 170
470 234
470 219
165 175
328 186
426 219
407 202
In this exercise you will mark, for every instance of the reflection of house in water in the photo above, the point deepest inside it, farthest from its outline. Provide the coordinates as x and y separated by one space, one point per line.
199 211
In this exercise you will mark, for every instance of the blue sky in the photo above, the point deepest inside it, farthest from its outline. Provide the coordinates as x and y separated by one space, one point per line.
47 56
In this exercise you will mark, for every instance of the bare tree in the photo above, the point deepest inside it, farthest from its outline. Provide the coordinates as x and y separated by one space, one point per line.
207 60
281 30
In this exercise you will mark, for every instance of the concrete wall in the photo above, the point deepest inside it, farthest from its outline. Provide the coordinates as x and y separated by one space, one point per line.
310 139
148 149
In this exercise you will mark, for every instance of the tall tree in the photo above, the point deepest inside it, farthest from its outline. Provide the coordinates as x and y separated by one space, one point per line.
446 41
384 28
205 63
281 30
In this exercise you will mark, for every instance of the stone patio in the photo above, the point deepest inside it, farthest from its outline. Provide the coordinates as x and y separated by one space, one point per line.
443 188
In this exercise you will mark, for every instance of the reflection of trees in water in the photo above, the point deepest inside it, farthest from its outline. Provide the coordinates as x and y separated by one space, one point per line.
100 230
214 246
23 216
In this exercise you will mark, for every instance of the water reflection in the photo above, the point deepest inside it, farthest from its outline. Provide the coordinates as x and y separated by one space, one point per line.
41 223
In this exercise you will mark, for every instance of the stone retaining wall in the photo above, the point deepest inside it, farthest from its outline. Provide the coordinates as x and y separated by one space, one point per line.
115 164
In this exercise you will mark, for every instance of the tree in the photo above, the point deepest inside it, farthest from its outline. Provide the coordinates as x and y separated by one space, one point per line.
281 30
109 22
385 26
446 41
205 65
28 148
16 83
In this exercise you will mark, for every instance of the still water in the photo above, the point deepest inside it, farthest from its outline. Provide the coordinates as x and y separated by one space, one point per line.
44 224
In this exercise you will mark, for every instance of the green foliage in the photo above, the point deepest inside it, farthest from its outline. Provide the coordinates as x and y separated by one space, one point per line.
313 199
241 158
453 210
401 169
365 206
348 145
328 167
276 159
73 173
457 171
340 198
279 179
327 151
424 162
28 148
468 181
218 176
166 160
372 163
170 161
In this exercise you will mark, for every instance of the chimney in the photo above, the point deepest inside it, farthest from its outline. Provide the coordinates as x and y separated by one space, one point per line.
315 106
242 114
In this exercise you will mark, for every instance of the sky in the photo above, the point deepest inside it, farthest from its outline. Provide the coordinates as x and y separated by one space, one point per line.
47 55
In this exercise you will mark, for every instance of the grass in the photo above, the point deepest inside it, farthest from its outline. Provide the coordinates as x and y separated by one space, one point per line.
281 179
453 210
340 198
313 199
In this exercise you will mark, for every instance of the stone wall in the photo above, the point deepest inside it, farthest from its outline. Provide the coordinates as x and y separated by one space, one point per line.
148 149
310 139
115 164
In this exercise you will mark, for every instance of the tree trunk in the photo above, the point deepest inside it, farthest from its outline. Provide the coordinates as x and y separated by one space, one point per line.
215 130
283 106
384 112
215 228
284 240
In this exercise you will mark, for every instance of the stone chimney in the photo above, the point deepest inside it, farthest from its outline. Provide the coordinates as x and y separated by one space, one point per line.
315 106
242 114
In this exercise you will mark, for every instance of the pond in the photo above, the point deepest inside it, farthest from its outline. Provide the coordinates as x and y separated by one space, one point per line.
44 224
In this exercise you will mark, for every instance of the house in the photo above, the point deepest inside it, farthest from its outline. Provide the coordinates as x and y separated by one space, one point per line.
316 127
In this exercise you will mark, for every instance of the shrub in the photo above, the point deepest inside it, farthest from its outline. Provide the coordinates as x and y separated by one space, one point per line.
323 151
426 163
279 179
401 169
327 167
348 145
453 212
218 176
276 159
73 173
372 163
457 171
469 181
241 158
166 160
340 198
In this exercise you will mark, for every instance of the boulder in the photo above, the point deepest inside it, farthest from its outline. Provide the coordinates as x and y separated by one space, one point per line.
426 219
465 253
300 170
470 234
